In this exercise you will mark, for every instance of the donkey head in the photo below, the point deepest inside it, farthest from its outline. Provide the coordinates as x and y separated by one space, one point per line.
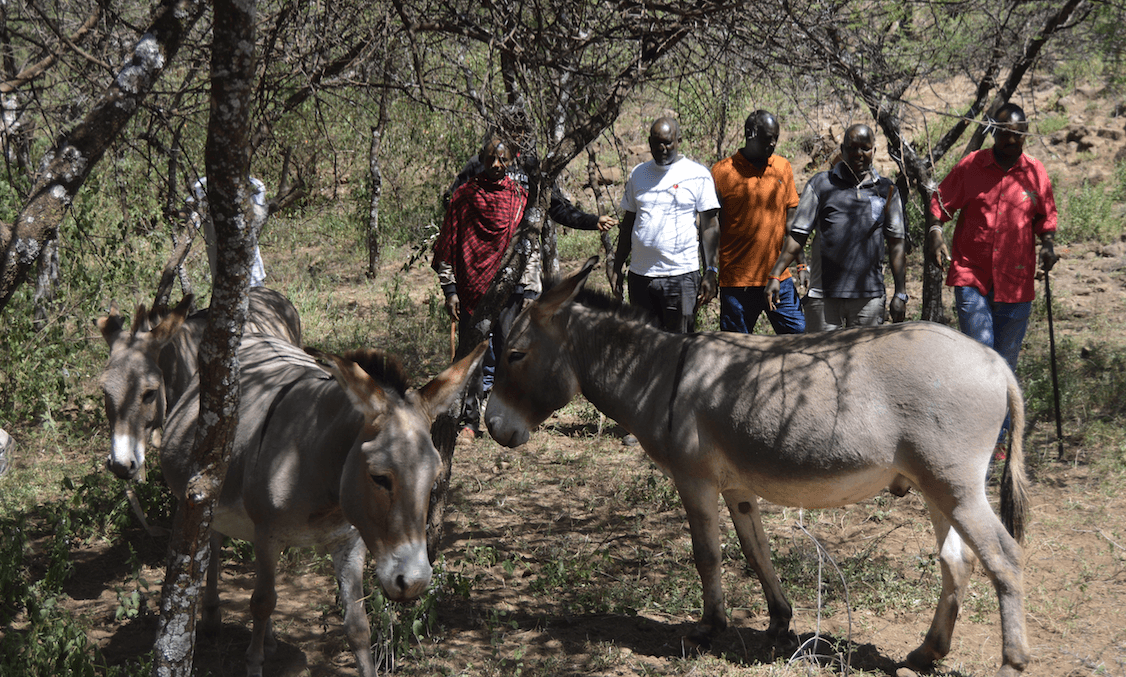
392 467
534 375
132 383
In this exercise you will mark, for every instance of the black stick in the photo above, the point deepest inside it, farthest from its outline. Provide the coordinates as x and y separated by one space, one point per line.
1052 349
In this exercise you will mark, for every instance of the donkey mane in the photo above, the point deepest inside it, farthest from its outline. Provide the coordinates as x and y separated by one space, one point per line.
384 368
597 300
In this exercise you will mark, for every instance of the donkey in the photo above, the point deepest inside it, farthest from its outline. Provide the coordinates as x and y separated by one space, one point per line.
151 366
334 461
814 421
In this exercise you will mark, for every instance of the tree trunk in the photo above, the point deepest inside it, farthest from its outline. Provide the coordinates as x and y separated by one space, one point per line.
596 188
227 160
376 193
76 153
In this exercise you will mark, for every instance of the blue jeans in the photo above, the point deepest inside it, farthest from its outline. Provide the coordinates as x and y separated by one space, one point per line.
1001 326
740 307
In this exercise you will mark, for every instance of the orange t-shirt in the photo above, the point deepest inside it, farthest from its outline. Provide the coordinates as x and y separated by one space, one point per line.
752 224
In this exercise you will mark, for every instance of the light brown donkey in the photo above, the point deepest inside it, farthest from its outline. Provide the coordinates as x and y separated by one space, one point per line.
156 361
815 421
337 462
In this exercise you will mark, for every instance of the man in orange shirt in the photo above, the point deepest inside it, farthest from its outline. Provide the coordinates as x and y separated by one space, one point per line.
757 199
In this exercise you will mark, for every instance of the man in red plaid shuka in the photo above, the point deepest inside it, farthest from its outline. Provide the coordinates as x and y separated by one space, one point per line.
480 221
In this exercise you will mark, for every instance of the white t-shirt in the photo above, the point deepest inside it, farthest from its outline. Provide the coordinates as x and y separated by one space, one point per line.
666 200
201 216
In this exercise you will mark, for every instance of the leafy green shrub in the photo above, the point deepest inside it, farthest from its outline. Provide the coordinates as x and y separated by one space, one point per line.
13 573
394 626
1092 385
1089 213
1051 124
52 644
47 641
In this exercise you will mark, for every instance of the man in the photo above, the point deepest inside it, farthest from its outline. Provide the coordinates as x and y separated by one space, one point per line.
1006 202
200 215
560 209
855 212
480 221
663 201
757 199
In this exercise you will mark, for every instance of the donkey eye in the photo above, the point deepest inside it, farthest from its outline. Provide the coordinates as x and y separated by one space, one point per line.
149 396
515 356
383 481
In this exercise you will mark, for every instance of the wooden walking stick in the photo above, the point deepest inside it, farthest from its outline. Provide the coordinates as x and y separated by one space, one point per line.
453 340
1052 352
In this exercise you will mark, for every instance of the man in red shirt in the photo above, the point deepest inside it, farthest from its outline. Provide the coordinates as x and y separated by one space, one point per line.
1006 202
757 198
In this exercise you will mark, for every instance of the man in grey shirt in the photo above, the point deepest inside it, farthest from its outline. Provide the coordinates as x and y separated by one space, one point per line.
857 216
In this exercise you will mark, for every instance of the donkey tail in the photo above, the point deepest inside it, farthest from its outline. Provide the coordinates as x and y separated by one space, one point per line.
1014 482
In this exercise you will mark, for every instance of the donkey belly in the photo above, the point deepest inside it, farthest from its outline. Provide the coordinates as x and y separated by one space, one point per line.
290 531
820 490
230 519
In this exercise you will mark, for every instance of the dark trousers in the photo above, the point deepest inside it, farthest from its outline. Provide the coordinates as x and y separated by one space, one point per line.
672 300
482 381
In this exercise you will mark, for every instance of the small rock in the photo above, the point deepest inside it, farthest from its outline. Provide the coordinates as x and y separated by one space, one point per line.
906 672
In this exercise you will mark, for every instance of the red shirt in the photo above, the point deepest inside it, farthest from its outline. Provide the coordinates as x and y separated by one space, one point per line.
994 247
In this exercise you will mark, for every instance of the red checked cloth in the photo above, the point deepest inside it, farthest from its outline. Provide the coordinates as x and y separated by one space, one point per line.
479 224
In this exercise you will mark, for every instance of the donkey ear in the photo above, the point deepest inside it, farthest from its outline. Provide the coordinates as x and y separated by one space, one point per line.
162 333
564 292
365 394
111 325
439 395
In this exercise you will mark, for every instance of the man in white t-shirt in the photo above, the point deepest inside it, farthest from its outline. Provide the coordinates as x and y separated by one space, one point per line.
670 207
200 215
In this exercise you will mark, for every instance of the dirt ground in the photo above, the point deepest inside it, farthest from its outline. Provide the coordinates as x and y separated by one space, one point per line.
514 511
575 494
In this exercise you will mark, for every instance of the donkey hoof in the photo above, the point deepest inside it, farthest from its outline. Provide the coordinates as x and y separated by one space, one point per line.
699 638
920 660
782 637
695 641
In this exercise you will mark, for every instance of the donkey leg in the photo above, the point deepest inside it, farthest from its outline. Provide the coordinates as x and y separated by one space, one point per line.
956 564
262 603
756 548
1000 556
348 561
700 498
212 617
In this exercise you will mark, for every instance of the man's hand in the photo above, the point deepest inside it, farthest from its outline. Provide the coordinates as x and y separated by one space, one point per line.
617 285
936 245
606 222
709 287
453 307
898 309
770 291
803 280
1048 256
